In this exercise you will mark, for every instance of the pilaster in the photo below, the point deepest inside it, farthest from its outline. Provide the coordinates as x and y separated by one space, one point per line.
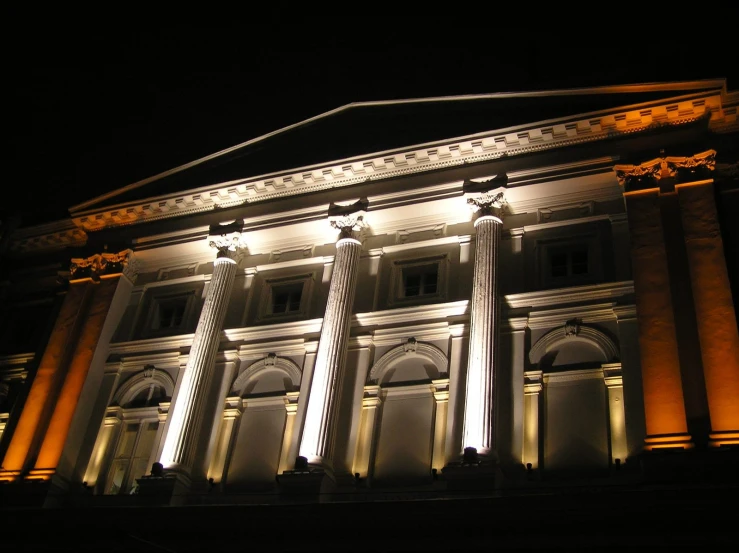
714 308
664 404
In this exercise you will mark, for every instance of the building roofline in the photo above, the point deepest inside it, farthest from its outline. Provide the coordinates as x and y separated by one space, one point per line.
614 89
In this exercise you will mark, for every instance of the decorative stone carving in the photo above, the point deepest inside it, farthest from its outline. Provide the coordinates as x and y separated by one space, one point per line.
410 346
572 327
705 160
102 264
227 239
487 197
349 219
650 172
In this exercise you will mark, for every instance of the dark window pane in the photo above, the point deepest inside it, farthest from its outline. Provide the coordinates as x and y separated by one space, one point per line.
412 285
286 298
429 283
294 300
559 264
580 262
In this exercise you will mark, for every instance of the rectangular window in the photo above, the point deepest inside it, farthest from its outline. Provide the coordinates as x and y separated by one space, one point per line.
421 280
572 262
286 298
170 313
418 280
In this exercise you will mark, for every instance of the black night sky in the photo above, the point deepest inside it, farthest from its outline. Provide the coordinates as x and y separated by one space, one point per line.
91 111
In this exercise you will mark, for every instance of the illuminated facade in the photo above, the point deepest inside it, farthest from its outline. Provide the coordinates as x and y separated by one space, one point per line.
533 301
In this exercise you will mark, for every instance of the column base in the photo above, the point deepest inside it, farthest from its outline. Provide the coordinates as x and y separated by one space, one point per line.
713 465
724 438
166 488
10 476
472 473
668 441
301 484
22 494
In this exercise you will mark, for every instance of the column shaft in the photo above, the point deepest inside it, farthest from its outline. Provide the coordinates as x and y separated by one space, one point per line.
368 422
532 398
664 405
479 415
440 389
316 444
61 418
45 388
182 436
714 308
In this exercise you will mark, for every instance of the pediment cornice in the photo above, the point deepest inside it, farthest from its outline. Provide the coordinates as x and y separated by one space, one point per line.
418 159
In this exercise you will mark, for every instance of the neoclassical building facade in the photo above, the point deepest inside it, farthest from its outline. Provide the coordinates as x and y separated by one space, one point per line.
529 302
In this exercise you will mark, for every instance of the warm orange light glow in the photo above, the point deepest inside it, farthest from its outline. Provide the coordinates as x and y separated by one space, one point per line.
663 393
714 306
42 394
56 435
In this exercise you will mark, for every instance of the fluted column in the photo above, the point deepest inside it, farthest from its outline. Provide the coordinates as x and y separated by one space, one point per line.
183 431
479 409
316 443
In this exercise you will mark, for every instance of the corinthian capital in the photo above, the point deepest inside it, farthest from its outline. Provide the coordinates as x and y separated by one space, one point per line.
671 169
487 203
487 197
349 219
703 162
102 264
227 239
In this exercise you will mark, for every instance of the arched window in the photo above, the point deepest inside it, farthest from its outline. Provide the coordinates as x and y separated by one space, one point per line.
405 441
129 433
574 422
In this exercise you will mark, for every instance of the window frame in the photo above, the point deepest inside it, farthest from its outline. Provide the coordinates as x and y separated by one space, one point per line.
400 270
188 299
271 287
567 246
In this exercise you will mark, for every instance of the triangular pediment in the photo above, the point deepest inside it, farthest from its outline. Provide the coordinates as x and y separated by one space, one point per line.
349 132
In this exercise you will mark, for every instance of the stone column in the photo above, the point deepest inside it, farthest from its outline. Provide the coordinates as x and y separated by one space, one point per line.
479 409
102 452
714 308
316 444
440 389
183 430
286 450
616 412
39 404
370 409
532 398
226 436
46 420
664 404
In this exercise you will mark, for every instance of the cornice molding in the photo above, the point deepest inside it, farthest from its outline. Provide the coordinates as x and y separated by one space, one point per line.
279 331
56 235
598 313
426 332
576 294
512 141
416 313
